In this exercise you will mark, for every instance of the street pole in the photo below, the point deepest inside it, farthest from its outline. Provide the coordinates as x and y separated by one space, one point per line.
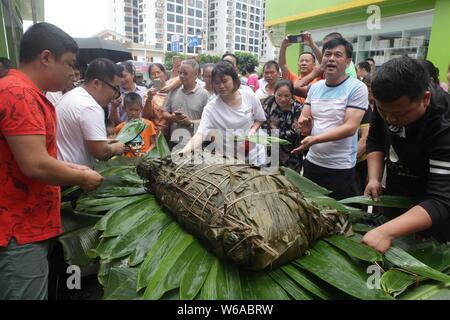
13 30
185 27
33 11
145 46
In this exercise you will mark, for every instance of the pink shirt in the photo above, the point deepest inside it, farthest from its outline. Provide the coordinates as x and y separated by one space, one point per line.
253 82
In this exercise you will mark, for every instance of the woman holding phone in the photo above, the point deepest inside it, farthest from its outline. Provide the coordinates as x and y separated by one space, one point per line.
153 108
233 112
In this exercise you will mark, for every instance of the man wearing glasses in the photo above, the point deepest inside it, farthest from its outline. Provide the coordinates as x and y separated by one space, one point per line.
81 133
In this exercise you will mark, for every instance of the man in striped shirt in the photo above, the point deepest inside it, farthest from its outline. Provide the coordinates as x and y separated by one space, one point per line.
330 119
410 132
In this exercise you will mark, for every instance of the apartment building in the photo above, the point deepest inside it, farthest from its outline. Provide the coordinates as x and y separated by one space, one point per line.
194 26
235 25
186 23
124 18
269 51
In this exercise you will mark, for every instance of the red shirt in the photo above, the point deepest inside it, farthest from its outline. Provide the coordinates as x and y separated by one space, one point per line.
29 210
294 78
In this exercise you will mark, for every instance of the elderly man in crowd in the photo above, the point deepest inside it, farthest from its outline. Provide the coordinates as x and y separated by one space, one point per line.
184 106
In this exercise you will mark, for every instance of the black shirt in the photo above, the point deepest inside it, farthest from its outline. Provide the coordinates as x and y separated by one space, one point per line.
418 161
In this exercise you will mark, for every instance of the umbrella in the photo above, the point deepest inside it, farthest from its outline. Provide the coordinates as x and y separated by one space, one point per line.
93 48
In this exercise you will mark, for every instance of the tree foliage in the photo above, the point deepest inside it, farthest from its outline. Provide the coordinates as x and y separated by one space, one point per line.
168 59
246 59
201 58
208 58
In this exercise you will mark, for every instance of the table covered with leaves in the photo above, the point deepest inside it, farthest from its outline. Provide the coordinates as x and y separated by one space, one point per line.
143 253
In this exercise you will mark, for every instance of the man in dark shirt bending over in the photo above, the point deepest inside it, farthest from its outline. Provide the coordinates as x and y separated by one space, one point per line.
410 131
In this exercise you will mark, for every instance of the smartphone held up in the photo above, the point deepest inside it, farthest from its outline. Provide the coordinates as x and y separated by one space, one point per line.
157 84
297 38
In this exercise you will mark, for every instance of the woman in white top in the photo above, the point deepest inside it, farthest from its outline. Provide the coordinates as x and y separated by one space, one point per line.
232 113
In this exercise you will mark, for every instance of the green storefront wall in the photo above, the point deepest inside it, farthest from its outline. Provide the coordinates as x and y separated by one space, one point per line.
21 9
4 52
8 47
296 15
439 49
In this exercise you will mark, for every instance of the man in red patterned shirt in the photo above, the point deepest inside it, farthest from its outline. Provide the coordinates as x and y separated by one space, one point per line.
30 174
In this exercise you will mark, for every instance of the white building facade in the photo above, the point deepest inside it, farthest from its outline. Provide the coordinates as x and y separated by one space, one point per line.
194 26
235 26
123 18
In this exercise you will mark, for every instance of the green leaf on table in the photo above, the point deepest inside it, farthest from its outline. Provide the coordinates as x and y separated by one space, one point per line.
395 281
289 285
304 185
228 282
78 243
427 291
260 286
307 282
180 267
432 253
404 260
123 221
169 239
354 248
384 201
121 284
112 191
118 208
155 287
340 271
138 241
195 275
130 131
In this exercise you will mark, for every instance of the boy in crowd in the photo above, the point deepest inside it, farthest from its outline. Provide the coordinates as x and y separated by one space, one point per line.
110 129
146 140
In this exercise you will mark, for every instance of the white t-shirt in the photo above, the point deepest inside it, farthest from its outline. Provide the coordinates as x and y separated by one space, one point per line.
246 88
329 105
200 82
228 122
79 118
262 83
54 97
262 93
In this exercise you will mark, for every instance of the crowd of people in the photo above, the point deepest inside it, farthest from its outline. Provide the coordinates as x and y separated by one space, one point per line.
351 129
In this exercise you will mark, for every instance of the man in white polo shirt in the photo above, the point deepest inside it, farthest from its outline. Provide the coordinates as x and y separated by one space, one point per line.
330 118
81 133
